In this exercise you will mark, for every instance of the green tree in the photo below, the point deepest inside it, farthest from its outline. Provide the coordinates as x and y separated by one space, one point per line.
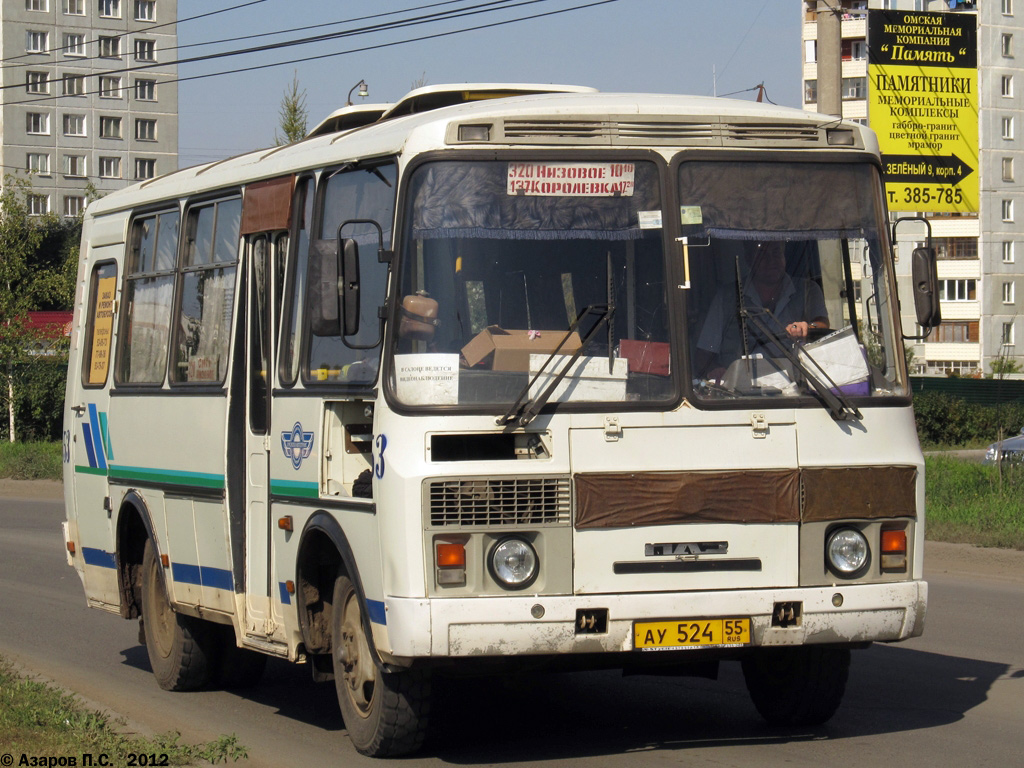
293 114
38 266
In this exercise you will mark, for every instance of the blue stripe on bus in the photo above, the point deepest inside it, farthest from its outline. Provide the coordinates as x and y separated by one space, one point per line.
105 434
377 613
97 436
202 576
286 598
88 445
93 556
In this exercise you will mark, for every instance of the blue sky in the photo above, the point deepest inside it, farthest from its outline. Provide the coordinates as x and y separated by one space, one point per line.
667 46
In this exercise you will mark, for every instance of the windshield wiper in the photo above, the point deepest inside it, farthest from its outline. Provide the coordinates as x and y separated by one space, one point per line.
523 410
839 406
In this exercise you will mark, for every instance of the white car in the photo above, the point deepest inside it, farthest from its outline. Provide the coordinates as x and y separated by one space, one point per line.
1010 449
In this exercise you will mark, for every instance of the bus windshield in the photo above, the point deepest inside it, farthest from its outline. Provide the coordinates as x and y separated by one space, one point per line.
536 279
789 293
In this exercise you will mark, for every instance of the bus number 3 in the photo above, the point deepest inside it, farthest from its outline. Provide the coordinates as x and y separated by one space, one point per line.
378 466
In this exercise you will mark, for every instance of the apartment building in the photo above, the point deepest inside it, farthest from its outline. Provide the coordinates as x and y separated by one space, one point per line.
981 254
88 96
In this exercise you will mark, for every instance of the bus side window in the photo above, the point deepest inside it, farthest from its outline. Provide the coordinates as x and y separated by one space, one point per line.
295 292
99 325
203 326
148 293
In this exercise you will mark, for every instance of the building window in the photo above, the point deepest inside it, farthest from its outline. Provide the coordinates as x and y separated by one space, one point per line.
74 125
1007 127
145 130
145 10
1006 338
110 127
38 205
1008 210
1007 169
810 51
74 85
110 167
110 87
37 123
74 165
855 87
38 162
110 9
854 50
145 168
1007 86
74 45
956 247
74 7
37 82
1007 46
1007 7
1008 293
810 91
37 42
145 90
110 47
958 290
955 333
37 5
1007 252
145 50
73 205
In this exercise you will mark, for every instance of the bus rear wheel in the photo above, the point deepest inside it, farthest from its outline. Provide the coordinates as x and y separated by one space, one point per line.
385 713
797 686
179 647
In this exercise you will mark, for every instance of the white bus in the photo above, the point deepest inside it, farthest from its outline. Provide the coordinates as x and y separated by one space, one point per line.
518 374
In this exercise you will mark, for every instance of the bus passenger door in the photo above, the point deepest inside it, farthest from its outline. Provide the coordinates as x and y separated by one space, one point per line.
264 251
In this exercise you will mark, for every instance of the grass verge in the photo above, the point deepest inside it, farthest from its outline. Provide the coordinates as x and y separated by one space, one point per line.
41 722
30 461
974 503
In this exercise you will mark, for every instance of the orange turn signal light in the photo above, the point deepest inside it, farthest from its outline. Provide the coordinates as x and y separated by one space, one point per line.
894 542
285 523
71 547
451 555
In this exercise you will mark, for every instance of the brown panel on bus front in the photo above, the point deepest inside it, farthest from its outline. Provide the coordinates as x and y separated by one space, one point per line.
629 499
834 493
267 205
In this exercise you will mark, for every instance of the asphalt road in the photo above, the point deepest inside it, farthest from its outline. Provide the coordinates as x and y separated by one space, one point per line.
952 697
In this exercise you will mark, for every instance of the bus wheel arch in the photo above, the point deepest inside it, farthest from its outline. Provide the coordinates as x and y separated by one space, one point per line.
134 529
323 553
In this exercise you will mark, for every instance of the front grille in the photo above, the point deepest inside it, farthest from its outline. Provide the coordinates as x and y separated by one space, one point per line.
496 501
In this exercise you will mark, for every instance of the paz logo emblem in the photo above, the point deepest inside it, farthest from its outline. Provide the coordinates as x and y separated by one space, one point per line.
297 444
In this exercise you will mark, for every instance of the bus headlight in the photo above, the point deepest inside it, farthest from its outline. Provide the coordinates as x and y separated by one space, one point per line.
513 563
847 551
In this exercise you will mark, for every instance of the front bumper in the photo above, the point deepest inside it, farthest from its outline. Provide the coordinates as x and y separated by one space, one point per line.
505 626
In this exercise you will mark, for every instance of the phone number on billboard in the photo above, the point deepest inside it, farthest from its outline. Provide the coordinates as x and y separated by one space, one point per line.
927 195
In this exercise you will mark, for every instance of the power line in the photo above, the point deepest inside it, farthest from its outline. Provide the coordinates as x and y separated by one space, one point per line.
364 49
4 65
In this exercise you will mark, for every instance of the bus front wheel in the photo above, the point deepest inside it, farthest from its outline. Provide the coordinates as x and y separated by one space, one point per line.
385 713
797 686
179 647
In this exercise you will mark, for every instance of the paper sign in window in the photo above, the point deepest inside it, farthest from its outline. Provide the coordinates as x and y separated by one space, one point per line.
102 327
427 379
571 179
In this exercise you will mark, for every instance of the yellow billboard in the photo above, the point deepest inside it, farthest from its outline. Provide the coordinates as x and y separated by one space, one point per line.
923 104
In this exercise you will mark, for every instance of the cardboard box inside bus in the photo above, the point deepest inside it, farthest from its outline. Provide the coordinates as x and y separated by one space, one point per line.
510 350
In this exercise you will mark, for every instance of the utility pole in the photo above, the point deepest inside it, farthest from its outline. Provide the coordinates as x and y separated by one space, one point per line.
830 63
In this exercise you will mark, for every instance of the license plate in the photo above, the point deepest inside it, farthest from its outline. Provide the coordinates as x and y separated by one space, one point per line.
690 633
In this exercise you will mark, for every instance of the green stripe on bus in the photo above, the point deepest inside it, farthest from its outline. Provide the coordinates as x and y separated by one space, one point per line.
295 488
167 476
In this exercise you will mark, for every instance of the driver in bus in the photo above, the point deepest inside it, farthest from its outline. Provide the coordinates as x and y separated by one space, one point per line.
792 308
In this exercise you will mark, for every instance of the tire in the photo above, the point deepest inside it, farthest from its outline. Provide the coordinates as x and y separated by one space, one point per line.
385 713
179 647
799 686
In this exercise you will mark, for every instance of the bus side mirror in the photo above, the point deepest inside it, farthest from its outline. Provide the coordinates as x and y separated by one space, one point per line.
924 273
348 286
